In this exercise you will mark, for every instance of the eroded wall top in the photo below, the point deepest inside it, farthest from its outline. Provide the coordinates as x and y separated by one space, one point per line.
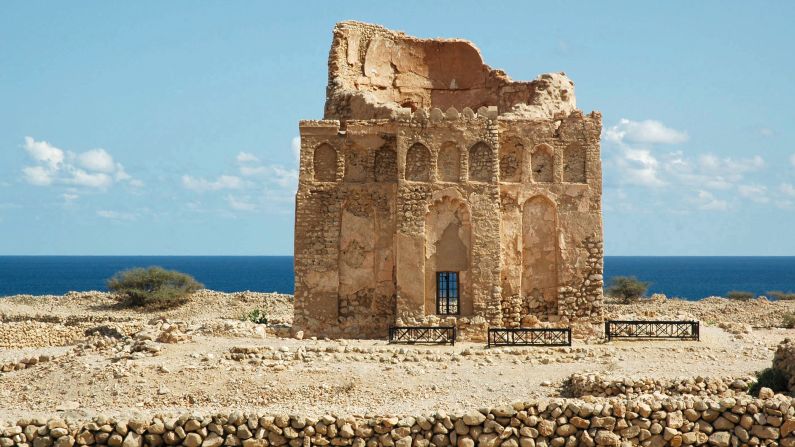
374 71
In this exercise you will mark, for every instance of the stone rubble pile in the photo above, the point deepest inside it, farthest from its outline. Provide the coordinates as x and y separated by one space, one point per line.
399 354
142 343
579 385
784 360
616 422
233 328
733 327
736 315
24 363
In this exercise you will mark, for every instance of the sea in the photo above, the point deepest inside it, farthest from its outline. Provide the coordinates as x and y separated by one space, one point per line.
689 277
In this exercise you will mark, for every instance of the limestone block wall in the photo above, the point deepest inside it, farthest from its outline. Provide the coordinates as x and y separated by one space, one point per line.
404 179
658 422
784 361
400 200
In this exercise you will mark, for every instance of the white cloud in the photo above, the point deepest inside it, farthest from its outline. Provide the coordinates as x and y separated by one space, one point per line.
639 167
38 175
787 189
97 160
644 132
116 215
708 170
295 145
135 183
240 204
222 182
705 200
44 152
792 159
260 186
91 169
69 197
756 193
90 179
249 171
766 132
245 157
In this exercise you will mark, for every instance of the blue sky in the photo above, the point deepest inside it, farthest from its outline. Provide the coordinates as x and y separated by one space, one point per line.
169 127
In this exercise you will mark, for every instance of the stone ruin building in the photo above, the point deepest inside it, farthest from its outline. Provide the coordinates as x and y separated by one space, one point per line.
438 191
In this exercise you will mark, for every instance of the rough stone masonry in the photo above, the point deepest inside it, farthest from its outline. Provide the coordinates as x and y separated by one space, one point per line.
438 191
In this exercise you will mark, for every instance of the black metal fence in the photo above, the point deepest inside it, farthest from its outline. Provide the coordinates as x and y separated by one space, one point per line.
422 334
529 337
682 330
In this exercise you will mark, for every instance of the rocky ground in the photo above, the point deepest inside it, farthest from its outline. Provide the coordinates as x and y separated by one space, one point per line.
81 355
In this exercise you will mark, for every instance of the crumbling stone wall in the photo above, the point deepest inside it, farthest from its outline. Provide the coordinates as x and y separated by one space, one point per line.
784 361
675 421
403 178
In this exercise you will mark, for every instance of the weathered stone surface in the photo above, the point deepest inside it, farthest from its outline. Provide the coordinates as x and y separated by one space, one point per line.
541 423
392 190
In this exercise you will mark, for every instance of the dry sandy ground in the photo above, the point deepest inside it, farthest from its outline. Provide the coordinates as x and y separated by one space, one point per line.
314 377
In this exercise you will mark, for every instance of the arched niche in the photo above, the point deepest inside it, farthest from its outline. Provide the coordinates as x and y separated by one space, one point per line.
324 162
542 164
574 164
418 163
448 231
481 162
511 151
540 251
448 165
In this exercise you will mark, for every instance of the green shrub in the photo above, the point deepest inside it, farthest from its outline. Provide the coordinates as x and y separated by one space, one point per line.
257 316
769 378
788 321
781 296
627 288
153 287
740 295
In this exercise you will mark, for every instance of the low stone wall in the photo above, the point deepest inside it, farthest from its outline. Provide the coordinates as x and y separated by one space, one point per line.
34 334
675 422
784 360
579 385
24 363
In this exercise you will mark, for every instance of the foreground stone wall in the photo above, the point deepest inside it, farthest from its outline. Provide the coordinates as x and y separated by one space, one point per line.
674 421
784 360
579 385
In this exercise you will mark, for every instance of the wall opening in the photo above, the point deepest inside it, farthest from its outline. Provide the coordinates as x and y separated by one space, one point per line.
325 163
447 298
481 163
447 249
418 163
542 164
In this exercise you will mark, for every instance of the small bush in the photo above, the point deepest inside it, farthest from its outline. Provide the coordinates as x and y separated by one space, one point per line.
788 321
781 296
769 378
740 295
627 288
153 287
257 316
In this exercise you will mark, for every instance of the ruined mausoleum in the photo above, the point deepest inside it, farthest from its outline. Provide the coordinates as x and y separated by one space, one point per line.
438 191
